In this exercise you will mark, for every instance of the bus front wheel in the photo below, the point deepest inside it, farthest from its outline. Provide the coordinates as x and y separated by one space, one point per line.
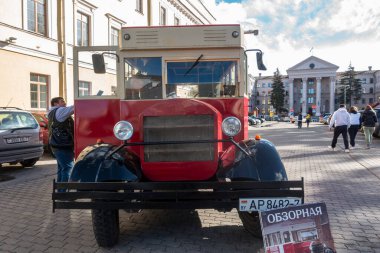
251 223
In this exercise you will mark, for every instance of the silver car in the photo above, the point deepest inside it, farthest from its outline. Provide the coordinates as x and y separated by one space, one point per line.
20 137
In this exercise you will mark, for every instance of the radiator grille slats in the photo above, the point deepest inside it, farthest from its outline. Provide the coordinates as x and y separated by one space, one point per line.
179 128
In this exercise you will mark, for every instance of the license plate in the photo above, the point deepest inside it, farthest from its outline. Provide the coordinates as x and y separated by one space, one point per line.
264 204
17 140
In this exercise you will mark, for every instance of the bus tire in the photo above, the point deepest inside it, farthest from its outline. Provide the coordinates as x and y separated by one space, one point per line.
251 223
105 223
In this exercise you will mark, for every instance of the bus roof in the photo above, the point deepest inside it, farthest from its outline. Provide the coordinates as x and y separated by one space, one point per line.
174 37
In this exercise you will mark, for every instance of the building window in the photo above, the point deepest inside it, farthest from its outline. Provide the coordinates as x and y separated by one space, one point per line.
83 29
162 16
38 91
363 100
258 102
37 16
371 90
269 85
311 91
364 80
311 82
176 21
84 88
310 100
263 85
139 6
370 100
371 80
114 36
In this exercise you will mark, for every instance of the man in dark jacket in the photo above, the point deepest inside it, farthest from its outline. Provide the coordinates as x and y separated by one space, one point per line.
61 136
369 120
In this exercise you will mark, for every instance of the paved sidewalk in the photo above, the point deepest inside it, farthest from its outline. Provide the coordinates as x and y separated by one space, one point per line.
349 183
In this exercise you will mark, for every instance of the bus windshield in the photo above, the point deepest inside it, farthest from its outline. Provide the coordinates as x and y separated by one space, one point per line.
201 79
185 79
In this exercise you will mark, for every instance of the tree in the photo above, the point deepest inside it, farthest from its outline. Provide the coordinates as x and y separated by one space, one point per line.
278 93
349 88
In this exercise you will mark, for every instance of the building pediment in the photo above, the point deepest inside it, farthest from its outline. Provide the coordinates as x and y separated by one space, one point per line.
313 63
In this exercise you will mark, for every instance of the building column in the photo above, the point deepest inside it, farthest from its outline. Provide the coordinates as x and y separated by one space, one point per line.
304 99
319 91
291 99
332 94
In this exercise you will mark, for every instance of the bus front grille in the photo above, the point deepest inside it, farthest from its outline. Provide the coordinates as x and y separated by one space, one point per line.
179 128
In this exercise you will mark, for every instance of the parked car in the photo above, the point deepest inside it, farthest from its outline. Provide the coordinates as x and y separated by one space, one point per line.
43 122
253 121
376 133
20 137
262 120
323 118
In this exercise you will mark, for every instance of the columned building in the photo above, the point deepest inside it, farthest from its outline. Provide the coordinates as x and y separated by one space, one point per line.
311 85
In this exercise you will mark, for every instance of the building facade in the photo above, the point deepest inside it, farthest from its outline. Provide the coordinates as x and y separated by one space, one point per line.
37 39
312 85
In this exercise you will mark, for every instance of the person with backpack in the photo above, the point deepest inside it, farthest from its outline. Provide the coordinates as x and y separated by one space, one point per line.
61 136
369 120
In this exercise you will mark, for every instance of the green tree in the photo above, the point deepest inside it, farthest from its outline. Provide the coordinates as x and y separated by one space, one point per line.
278 93
349 88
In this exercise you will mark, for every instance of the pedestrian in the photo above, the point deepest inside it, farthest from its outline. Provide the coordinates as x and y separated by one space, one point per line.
299 120
354 125
61 136
341 119
308 118
369 120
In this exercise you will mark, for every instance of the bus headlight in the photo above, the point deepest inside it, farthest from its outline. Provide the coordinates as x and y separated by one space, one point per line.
123 130
231 126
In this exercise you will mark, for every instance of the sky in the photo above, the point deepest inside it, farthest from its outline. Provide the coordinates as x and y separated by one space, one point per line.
342 32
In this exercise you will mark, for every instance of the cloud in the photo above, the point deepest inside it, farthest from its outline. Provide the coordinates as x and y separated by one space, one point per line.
289 28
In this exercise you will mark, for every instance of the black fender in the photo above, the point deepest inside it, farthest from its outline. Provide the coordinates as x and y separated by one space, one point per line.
94 164
260 162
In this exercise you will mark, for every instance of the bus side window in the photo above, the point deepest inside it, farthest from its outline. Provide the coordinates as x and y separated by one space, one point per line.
286 236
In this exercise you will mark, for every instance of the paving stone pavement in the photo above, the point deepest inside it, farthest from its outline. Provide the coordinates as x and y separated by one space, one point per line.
347 182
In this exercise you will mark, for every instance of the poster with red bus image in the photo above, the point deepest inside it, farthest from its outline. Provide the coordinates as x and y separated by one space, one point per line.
297 229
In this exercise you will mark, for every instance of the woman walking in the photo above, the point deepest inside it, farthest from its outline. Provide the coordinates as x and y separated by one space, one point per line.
369 120
354 125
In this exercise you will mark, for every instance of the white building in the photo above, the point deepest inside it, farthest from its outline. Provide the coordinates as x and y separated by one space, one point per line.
37 39
312 85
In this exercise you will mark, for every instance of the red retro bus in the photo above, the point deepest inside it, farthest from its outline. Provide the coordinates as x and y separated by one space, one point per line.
164 126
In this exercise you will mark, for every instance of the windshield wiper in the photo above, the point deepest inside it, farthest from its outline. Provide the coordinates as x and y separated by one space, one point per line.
194 64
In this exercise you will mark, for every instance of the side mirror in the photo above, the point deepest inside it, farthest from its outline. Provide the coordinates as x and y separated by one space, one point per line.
98 63
259 59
